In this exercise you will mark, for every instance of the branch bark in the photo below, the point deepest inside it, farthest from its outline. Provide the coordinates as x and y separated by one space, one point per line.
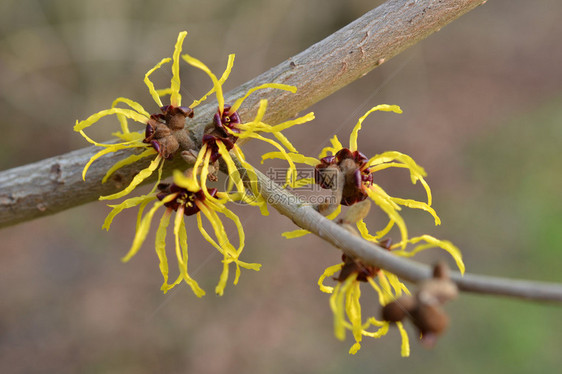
52 185
307 218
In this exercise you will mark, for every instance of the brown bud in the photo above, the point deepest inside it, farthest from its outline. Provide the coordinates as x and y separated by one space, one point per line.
176 122
398 309
441 271
184 140
189 156
357 212
430 319
437 291
169 145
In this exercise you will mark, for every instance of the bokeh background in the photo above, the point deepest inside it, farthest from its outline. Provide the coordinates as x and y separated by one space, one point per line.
482 113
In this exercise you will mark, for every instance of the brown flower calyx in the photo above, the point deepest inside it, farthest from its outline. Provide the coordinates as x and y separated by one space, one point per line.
224 124
424 308
357 212
183 197
217 131
353 265
165 131
353 166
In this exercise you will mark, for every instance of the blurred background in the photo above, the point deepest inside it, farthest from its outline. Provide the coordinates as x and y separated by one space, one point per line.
482 114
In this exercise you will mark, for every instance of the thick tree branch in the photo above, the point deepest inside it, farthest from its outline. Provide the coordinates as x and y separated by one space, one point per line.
55 184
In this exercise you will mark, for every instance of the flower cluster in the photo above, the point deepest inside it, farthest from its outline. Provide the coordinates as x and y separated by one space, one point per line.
168 133
350 173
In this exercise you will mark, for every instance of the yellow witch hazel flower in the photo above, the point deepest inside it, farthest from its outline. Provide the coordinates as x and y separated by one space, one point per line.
358 183
346 306
186 197
221 136
345 299
356 171
164 134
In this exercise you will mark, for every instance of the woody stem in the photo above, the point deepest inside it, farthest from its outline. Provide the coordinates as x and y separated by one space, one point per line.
53 185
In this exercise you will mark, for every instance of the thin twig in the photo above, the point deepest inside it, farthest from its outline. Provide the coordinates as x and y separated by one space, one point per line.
306 217
52 185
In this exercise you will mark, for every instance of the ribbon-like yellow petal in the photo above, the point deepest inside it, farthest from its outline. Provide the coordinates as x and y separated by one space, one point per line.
129 113
133 104
216 84
330 270
129 203
431 242
186 182
382 200
354 133
336 146
418 205
278 86
222 79
160 247
150 85
127 161
296 157
175 98
180 236
142 230
405 347
141 176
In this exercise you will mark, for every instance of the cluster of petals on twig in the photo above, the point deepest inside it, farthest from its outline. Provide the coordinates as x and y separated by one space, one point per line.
165 136
350 174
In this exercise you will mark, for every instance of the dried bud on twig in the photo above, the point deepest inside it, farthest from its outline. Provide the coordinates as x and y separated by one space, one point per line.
424 308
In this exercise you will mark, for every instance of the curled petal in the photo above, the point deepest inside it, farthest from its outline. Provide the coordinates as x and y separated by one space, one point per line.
233 172
296 157
138 179
336 146
354 133
160 247
129 203
418 205
150 85
186 182
431 242
405 346
258 198
292 170
133 104
331 270
279 86
142 230
217 86
364 231
385 160
389 207
81 125
127 161
180 236
353 311
337 303
221 81
175 98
